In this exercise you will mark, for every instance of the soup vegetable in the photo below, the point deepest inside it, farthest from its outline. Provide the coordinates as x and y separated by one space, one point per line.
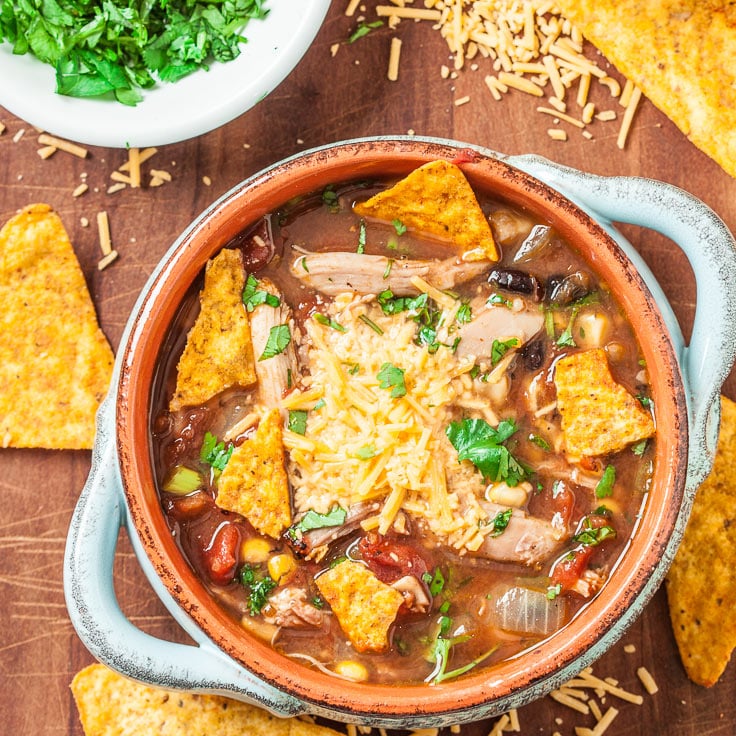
396 451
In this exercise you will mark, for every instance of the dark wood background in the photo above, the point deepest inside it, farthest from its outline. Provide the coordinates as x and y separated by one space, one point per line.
323 100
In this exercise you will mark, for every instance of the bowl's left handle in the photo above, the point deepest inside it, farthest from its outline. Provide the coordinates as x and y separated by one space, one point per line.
104 628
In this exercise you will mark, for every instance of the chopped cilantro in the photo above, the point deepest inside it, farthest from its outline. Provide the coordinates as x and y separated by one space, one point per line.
644 400
499 522
365 318
479 442
313 520
116 48
399 226
591 536
498 300
436 582
566 340
539 442
499 348
297 421
304 263
361 237
329 198
464 315
317 602
392 377
364 29
258 586
215 453
253 296
354 368
553 591
602 511
329 322
279 337
640 447
604 487
366 452
389 266
320 403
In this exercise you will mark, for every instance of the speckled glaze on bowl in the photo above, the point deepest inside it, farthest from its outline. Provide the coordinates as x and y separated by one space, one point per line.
685 388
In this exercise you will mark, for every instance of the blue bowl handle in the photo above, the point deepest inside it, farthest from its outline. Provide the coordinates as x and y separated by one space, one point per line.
711 250
104 628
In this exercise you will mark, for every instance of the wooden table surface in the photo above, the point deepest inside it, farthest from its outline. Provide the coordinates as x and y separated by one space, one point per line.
325 99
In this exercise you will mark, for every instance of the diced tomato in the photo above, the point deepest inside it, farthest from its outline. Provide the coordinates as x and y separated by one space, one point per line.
568 569
391 560
221 555
466 156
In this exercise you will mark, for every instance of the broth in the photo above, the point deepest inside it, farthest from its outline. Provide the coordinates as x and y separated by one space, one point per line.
458 543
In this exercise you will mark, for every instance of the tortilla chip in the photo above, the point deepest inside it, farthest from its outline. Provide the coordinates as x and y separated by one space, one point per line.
598 415
364 606
254 483
701 586
55 362
112 705
436 199
681 54
218 353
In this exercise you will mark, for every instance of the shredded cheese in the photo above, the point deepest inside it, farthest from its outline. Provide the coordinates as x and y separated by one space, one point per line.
47 151
393 61
628 117
62 145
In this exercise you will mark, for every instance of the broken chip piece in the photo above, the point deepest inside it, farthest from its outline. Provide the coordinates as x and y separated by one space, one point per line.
599 416
701 588
254 483
55 362
112 705
364 606
218 353
437 200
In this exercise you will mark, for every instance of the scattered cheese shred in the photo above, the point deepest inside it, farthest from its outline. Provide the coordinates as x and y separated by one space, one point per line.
80 190
134 166
628 117
393 60
107 260
103 230
62 145
47 151
143 156
386 11
647 680
352 7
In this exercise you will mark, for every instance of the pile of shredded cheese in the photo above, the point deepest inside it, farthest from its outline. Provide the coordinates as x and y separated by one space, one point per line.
529 46
362 443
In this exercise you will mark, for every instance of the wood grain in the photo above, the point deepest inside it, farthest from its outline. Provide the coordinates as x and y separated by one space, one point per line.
323 100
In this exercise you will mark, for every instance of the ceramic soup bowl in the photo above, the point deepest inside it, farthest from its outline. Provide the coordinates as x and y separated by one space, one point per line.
685 384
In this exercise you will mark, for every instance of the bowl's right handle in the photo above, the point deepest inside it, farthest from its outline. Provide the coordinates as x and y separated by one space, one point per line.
711 250
96 615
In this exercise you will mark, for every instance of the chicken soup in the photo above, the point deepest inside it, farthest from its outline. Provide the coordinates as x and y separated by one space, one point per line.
401 430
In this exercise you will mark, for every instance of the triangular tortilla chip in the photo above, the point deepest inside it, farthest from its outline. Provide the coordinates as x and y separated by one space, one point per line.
112 705
55 363
701 586
219 352
254 483
436 199
680 53
598 415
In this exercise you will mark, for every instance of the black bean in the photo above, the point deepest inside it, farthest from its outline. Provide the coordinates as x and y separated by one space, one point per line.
533 354
520 282
564 290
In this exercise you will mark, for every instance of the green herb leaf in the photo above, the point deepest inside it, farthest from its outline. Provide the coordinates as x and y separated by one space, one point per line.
604 487
365 318
553 591
566 340
364 29
640 447
499 522
399 226
592 537
258 585
329 198
392 377
279 337
644 400
320 403
464 314
499 348
479 442
297 421
253 296
499 301
215 453
361 237
436 582
313 520
366 452
329 322
389 266
539 442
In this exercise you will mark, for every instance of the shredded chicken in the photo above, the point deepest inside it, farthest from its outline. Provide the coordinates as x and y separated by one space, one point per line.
289 608
415 596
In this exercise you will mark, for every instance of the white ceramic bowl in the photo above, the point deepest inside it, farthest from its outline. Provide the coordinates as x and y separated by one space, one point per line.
169 112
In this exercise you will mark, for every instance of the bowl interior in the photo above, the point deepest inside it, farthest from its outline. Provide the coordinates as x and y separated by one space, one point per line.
512 681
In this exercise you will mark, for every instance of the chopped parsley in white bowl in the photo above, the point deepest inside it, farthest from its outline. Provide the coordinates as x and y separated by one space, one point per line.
168 111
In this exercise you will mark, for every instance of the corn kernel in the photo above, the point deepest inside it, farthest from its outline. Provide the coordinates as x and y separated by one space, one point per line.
352 670
281 566
255 550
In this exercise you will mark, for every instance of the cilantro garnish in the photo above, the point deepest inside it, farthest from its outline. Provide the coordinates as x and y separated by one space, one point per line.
566 340
604 487
499 348
591 536
539 442
361 238
499 522
498 300
118 48
479 442
644 400
436 582
553 591
365 318
329 322
330 200
399 226
215 453
389 266
313 520
253 296
258 586
640 447
464 315
297 421
440 655
364 29
366 452
279 337
392 377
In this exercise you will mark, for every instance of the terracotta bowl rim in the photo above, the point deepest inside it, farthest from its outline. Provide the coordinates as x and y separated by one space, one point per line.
629 584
